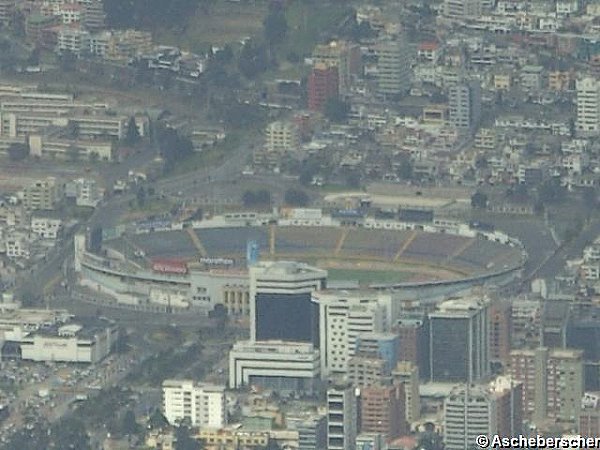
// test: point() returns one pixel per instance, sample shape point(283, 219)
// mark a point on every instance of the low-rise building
point(45, 226)
point(80, 341)
point(277, 365)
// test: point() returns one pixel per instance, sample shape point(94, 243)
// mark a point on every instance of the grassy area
point(151, 206)
point(222, 23)
point(309, 23)
point(212, 156)
point(368, 276)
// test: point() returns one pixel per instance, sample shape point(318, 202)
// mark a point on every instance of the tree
point(73, 153)
point(481, 162)
point(479, 200)
point(219, 313)
point(69, 433)
point(183, 439)
point(67, 61)
point(141, 196)
point(133, 134)
point(129, 425)
point(551, 191)
point(296, 197)
point(256, 198)
point(253, 60)
point(590, 198)
point(336, 110)
point(72, 129)
point(406, 169)
point(18, 152)
point(157, 420)
point(275, 26)
point(173, 147)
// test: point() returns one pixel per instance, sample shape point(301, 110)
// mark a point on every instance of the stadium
point(424, 262)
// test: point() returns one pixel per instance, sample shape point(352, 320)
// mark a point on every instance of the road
point(571, 250)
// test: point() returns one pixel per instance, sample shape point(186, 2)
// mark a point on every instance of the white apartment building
point(282, 136)
point(277, 365)
point(70, 13)
point(202, 404)
point(42, 194)
point(343, 316)
point(460, 9)
point(7, 9)
point(73, 40)
point(342, 410)
point(46, 227)
point(85, 191)
point(469, 411)
point(394, 72)
point(17, 246)
point(588, 106)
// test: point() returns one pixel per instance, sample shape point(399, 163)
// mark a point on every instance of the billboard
point(169, 266)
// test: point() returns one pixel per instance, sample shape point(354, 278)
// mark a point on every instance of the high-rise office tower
point(552, 382)
point(406, 373)
point(342, 418)
point(394, 71)
point(469, 411)
point(508, 394)
point(280, 301)
point(382, 410)
point(413, 333)
point(343, 317)
point(500, 329)
point(342, 55)
point(588, 106)
point(322, 86)
point(464, 101)
point(459, 341)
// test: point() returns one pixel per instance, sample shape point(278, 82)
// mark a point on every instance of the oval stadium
point(172, 267)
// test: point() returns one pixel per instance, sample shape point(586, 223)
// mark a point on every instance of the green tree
point(140, 196)
point(406, 169)
point(551, 191)
point(73, 153)
point(184, 440)
point(18, 152)
point(253, 60)
point(157, 420)
point(336, 110)
point(479, 200)
point(72, 129)
point(69, 433)
point(296, 197)
point(256, 198)
point(129, 425)
point(275, 26)
point(133, 135)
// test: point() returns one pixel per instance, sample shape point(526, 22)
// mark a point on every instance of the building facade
point(277, 365)
point(459, 341)
point(342, 417)
point(280, 301)
point(203, 405)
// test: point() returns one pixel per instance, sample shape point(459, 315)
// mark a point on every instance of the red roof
point(428, 45)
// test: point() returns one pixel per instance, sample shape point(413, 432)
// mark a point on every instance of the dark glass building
point(459, 341)
point(280, 302)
